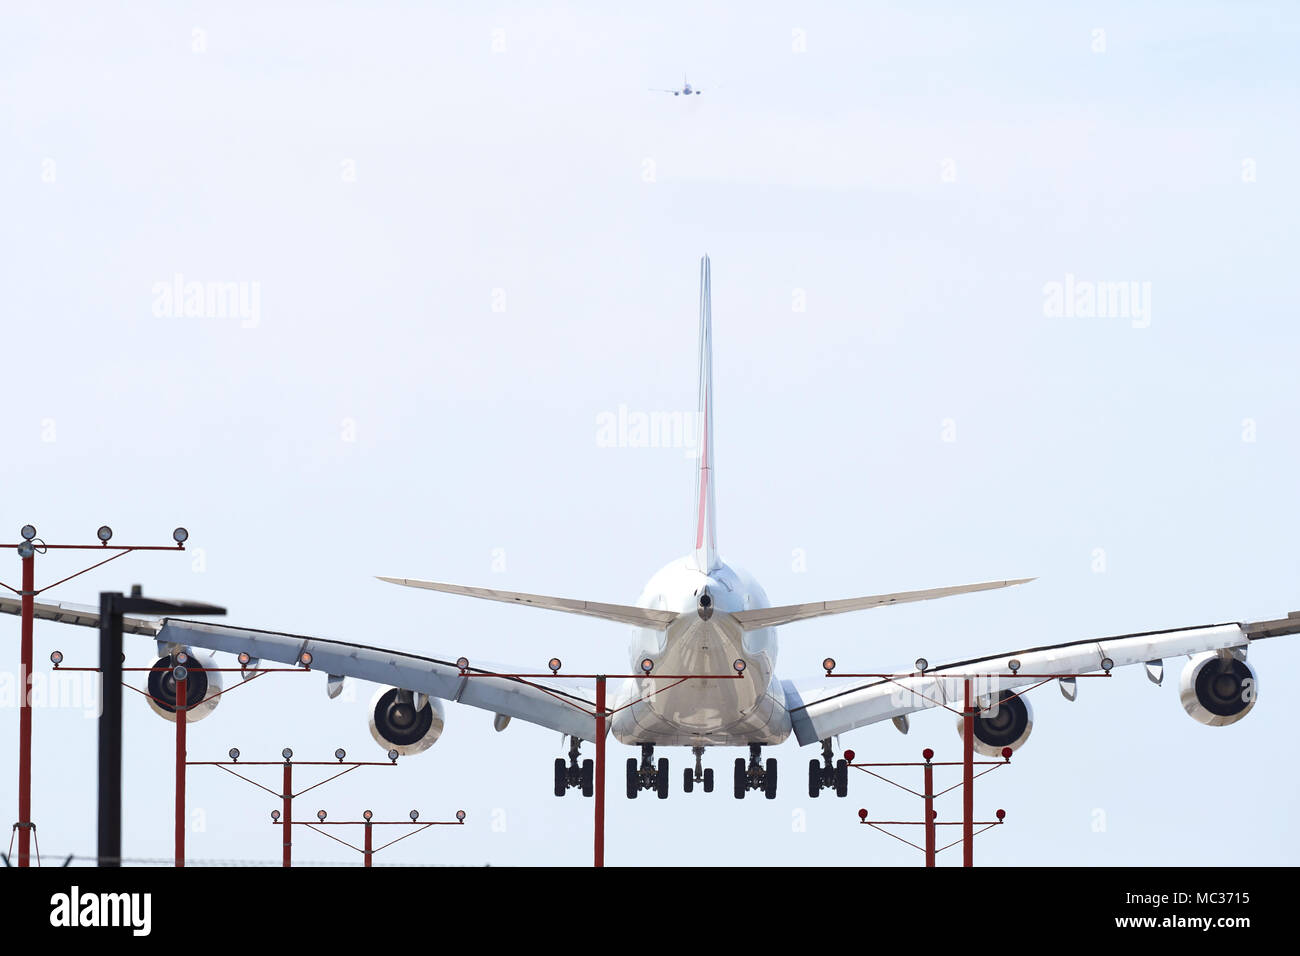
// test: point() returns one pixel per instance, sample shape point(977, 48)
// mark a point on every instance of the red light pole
point(600, 772)
point(182, 718)
point(25, 606)
point(968, 779)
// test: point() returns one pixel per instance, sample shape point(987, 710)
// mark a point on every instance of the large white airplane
point(701, 616)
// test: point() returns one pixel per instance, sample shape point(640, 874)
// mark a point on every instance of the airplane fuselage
point(720, 711)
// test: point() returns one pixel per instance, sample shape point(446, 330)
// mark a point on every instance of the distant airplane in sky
point(701, 616)
point(686, 89)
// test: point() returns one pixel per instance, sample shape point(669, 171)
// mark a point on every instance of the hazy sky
point(461, 238)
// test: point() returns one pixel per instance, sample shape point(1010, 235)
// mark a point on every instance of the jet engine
point(202, 687)
point(405, 721)
point(1217, 690)
point(1008, 725)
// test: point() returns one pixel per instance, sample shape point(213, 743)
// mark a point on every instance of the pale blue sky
point(525, 171)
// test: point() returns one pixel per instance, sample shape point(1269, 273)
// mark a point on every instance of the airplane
point(686, 89)
point(701, 616)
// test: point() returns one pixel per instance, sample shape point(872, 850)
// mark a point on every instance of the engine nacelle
point(1007, 726)
point(1217, 690)
point(202, 687)
point(396, 723)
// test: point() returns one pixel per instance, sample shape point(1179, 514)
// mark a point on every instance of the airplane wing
point(552, 703)
point(772, 616)
point(839, 707)
point(622, 613)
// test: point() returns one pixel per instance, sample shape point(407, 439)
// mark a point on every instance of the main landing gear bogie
point(571, 774)
point(647, 775)
point(829, 773)
point(755, 775)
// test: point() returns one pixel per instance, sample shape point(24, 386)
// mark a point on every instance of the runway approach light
point(554, 665)
point(182, 657)
point(828, 665)
point(1001, 815)
point(460, 816)
point(922, 665)
point(275, 816)
point(739, 665)
point(25, 550)
point(862, 816)
point(234, 753)
point(56, 658)
point(286, 753)
point(105, 533)
point(1107, 664)
point(366, 815)
point(28, 532)
point(340, 754)
point(320, 815)
point(415, 815)
point(1014, 664)
point(180, 535)
point(305, 658)
point(928, 754)
point(179, 672)
point(244, 658)
point(647, 665)
point(392, 755)
point(462, 663)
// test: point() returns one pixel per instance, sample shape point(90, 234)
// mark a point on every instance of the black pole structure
point(113, 605)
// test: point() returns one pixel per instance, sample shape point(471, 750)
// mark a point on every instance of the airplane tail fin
point(706, 541)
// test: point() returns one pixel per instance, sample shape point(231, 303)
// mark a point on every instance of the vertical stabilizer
point(706, 539)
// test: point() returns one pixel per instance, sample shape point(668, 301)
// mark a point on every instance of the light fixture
point(1002, 815)
point(739, 665)
point(56, 658)
point(180, 535)
point(104, 533)
point(320, 815)
point(25, 550)
point(1006, 753)
point(1014, 664)
point(1107, 664)
point(460, 815)
point(28, 532)
point(922, 665)
point(554, 665)
point(182, 657)
point(862, 815)
point(179, 672)
point(234, 753)
point(828, 665)
point(340, 754)
point(244, 658)
point(848, 756)
point(415, 815)
point(275, 816)
point(647, 665)
point(392, 755)
point(366, 815)
point(286, 753)
point(305, 658)
point(928, 754)
point(462, 663)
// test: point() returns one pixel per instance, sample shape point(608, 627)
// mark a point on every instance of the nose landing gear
point(699, 775)
point(754, 775)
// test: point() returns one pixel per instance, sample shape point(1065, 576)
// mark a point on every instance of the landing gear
point(646, 775)
point(753, 775)
point(828, 773)
point(572, 774)
point(699, 775)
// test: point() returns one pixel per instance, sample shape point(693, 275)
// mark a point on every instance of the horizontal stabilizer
point(772, 616)
point(623, 613)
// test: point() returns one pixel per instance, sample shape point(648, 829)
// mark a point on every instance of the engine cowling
point(397, 724)
point(1217, 690)
point(202, 687)
point(1007, 726)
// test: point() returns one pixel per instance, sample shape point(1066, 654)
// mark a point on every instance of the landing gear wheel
point(588, 778)
point(814, 778)
point(741, 781)
point(708, 780)
point(688, 780)
point(769, 779)
point(661, 779)
point(561, 776)
point(633, 778)
point(841, 778)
